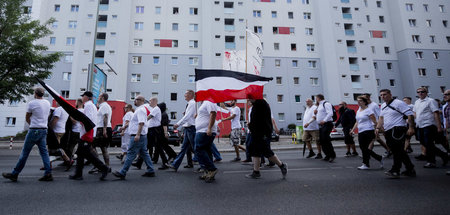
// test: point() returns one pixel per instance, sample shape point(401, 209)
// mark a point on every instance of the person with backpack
point(325, 115)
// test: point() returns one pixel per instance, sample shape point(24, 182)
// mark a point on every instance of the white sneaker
point(363, 167)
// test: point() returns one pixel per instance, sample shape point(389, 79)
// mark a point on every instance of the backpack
point(334, 111)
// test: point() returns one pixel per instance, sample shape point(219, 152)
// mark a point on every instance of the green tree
point(22, 59)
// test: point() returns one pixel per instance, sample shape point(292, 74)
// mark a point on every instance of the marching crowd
point(144, 134)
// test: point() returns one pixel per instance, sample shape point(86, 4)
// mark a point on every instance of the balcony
point(229, 45)
point(354, 67)
point(345, 1)
point(351, 49)
point(228, 10)
point(99, 60)
point(350, 32)
point(356, 85)
point(347, 15)
point(103, 7)
point(229, 28)
point(100, 42)
point(101, 24)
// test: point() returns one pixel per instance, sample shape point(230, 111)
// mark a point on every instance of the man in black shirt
point(347, 118)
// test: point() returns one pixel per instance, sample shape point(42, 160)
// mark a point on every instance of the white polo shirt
point(103, 109)
point(393, 118)
point(76, 127)
point(127, 117)
point(202, 120)
point(91, 112)
point(424, 109)
point(375, 109)
point(39, 109)
point(139, 116)
point(188, 118)
point(324, 114)
point(308, 116)
point(236, 122)
point(60, 126)
point(155, 121)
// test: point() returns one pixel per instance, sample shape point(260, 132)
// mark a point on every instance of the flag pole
point(246, 41)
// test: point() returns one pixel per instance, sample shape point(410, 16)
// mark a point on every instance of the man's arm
point(54, 121)
point(28, 117)
point(379, 128)
point(138, 133)
point(212, 120)
point(437, 119)
point(275, 127)
point(105, 125)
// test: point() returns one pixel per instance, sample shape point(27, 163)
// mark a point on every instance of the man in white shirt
point(188, 124)
point(37, 114)
point(324, 117)
point(124, 131)
point(235, 135)
point(103, 136)
point(311, 129)
point(408, 100)
point(206, 130)
point(392, 122)
point(58, 124)
point(428, 123)
point(85, 149)
point(138, 142)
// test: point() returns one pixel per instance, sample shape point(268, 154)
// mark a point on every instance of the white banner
point(235, 60)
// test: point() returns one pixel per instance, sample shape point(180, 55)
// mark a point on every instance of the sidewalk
point(223, 145)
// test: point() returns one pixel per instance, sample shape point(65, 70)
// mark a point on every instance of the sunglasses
point(421, 92)
point(446, 94)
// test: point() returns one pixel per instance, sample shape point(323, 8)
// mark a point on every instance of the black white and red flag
point(224, 85)
point(88, 134)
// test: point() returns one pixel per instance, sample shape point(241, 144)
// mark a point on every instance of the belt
point(38, 128)
point(135, 135)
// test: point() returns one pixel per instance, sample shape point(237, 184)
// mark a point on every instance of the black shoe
point(326, 158)
point(318, 156)
point(429, 165)
point(331, 159)
point(348, 154)
point(392, 174)
point(119, 175)
point(355, 154)
point(105, 173)
point(444, 161)
point(119, 156)
point(254, 175)
point(311, 154)
point(163, 167)
point(284, 170)
point(76, 177)
point(236, 160)
point(148, 174)
point(409, 173)
point(247, 161)
point(136, 165)
point(47, 177)
point(69, 165)
point(270, 164)
point(10, 176)
point(421, 157)
point(217, 160)
point(93, 170)
point(188, 166)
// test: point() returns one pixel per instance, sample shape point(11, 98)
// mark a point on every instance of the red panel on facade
point(377, 34)
point(166, 43)
point(283, 30)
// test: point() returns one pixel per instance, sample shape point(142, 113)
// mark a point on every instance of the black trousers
point(395, 139)
point(74, 139)
point(427, 137)
point(364, 139)
point(348, 138)
point(325, 139)
point(84, 152)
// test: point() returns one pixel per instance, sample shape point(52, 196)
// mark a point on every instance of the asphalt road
point(312, 187)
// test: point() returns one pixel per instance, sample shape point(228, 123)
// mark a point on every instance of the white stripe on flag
point(225, 83)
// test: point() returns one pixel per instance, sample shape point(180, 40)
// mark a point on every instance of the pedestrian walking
point(171, 154)
point(235, 134)
point(324, 115)
point(408, 148)
point(37, 117)
point(103, 136)
point(124, 131)
point(58, 125)
point(311, 129)
point(376, 110)
point(392, 123)
point(74, 137)
point(347, 120)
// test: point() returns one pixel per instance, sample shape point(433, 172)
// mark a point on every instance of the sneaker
point(93, 170)
point(254, 175)
point(210, 177)
point(171, 166)
point(199, 170)
point(348, 154)
point(284, 170)
point(203, 176)
point(119, 175)
point(332, 159)
point(270, 164)
point(363, 167)
point(119, 156)
point(148, 174)
point(47, 177)
point(355, 154)
point(318, 156)
point(247, 161)
point(236, 160)
point(409, 173)
point(429, 165)
point(420, 157)
point(392, 174)
point(217, 160)
point(104, 174)
point(326, 158)
point(10, 176)
point(188, 166)
point(311, 154)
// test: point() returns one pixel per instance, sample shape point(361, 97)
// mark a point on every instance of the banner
point(98, 83)
point(235, 60)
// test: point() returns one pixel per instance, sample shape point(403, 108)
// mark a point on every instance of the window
point(67, 76)
point(279, 98)
point(134, 95)
point(279, 80)
point(257, 29)
point(392, 82)
point(155, 78)
point(378, 82)
point(174, 78)
point(193, 11)
point(193, 43)
point(436, 55)
point(65, 93)
point(137, 42)
point(307, 16)
point(175, 10)
point(312, 64)
point(70, 41)
point(419, 55)
point(305, 1)
point(256, 13)
point(280, 116)
point(290, 15)
point(173, 96)
point(381, 18)
point(90, 16)
point(425, 7)
point(277, 62)
point(442, 89)
point(367, 18)
point(52, 40)
point(409, 7)
point(422, 72)
point(57, 7)
point(296, 80)
point(379, 4)
point(175, 43)
point(387, 50)
point(155, 94)
point(55, 24)
point(174, 26)
point(448, 39)
point(156, 43)
point(428, 21)
point(356, 81)
point(445, 23)
point(156, 60)
point(193, 27)
point(173, 115)
point(274, 14)
point(72, 24)
point(191, 78)
point(68, 58)
point(291, 30)
point(441, 8)
point(310, 47)
point(389, 66)
point(139, 9)
point(136, 60)
point(314, 81)
point(157, 26)
point(415, 38)
point(74, 8)
point(193, 60)
point(412, 22)
point(297, 98)
point(309, 31)
point(439, 72)
point(10, 121)
point(135, 77)
point(276, 46)
point(157, 10)
point(293, 47)
point(139, 26)
point(174, 61)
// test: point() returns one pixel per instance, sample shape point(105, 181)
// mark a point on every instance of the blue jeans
point(38, 137)
point(203, 144)
point(133, 149)
point(188, 143)
point(214, 150)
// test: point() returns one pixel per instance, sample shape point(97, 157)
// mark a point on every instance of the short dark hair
point(105, 96)
point(385, 90)
point(407, 97)
point(39, 91)
point(366, 94)
point(364, 99)
point(320, 96)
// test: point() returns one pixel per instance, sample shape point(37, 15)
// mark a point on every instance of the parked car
point(116, 138)
point(337, 133)
point(175, 136)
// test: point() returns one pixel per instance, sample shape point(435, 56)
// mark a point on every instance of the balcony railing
point(354, 67)
point(103, 7)
point(347, 15)
point(228, 10)
point(345, 1)
point(99, 60)
point(351, 49)
point(100, 42)
point(101, 24)
point(349, 32)
point(230, 45)
point(356, 85)
point(229, 28)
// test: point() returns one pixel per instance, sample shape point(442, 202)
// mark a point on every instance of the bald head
point(139, 100)
point(153, 101)
point(309, 102)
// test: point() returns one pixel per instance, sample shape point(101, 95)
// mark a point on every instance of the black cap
point(88, 94)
